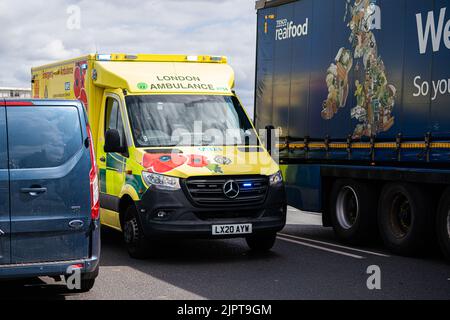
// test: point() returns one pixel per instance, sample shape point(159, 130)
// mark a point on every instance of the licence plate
point(229, 229)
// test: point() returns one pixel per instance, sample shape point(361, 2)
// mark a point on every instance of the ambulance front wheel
point(138, 245)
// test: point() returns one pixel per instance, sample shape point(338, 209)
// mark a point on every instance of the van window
point(3, 151)
point(43, 137)
point(113, 119)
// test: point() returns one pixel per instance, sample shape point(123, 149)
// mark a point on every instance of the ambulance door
point(111, 165)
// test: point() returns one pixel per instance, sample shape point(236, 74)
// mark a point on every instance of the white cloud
point(35, 32)
point(55, 50)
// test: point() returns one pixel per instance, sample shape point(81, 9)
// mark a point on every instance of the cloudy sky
point(35, 32)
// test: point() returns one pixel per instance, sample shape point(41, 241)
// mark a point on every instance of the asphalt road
point(306, 263)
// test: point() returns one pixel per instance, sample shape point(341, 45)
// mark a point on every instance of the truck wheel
point(137, 245)
point(261, 242)
point(403, 218)
point(443, 223)
point(353, 211)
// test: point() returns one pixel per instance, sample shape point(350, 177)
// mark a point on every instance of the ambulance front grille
point(209, 191)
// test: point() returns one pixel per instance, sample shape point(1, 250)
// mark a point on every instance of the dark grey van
point(49, 207)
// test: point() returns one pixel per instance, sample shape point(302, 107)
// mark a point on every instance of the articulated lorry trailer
point(359, 92)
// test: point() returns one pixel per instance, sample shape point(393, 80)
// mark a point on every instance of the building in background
point(6, 92)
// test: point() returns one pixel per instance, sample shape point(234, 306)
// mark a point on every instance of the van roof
point(38, 102)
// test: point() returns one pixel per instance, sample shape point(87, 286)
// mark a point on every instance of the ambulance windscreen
point(189, 120)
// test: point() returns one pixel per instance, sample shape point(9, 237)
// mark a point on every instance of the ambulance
point(178, 156)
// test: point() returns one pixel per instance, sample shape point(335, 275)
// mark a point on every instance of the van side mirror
point(269, 131)
point(112, 142)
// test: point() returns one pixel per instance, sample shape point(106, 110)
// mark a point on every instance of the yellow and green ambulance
point(176, 151)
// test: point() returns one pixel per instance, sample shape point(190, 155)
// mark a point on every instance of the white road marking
point(336, 245)
point(321, 248)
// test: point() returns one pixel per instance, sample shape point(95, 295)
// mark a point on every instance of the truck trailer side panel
point(359, 97)
point(358, 91)
point(391, 82)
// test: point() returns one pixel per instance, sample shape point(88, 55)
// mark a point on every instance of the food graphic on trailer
point(375, 97)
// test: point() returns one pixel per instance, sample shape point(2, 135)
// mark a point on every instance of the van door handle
point(33, 191)
point(76, 224)
point(102, 159)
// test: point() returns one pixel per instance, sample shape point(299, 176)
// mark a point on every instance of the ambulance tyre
point(261, 242)
point(138, 245)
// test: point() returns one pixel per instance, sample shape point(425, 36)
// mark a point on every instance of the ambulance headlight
point(160, 181)
point(276, 179)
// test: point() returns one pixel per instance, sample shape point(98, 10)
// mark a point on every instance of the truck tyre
point(137, 244)
point(261, 242)
point(404, 218)
point(353, 211)
point(443, 224)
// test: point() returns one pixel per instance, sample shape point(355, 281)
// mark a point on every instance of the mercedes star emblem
point(231, 189)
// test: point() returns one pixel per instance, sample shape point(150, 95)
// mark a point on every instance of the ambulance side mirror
point(112, 142)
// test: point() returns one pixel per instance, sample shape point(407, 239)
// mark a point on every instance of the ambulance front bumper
point(173, 214)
